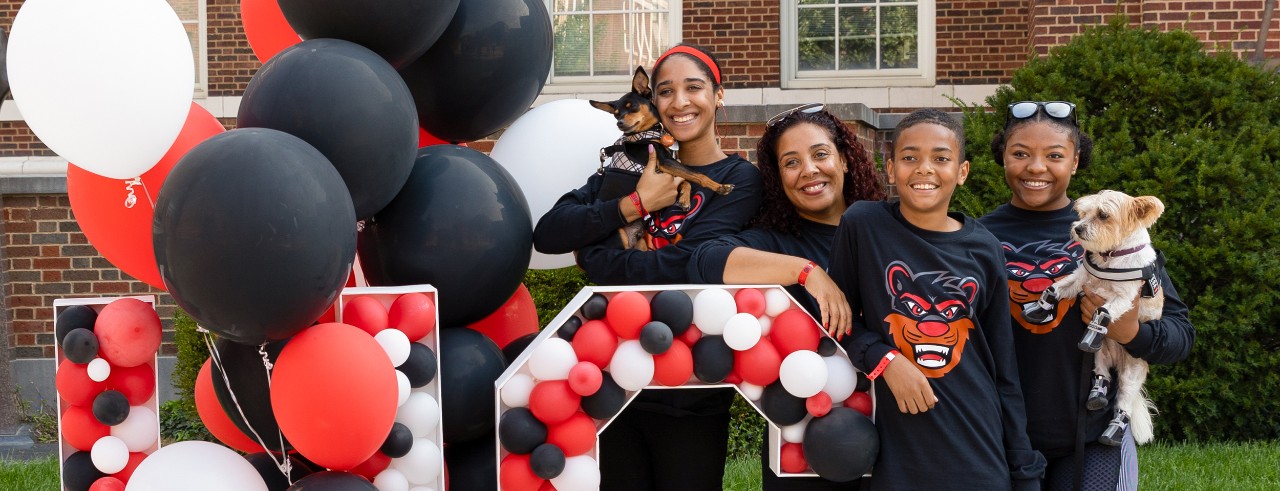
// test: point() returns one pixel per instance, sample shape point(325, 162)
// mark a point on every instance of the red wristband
point(884, 363)
point(635, 200)
point(804, 273)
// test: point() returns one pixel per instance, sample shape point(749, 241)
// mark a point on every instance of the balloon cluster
point(106, 381)
point(566, 386)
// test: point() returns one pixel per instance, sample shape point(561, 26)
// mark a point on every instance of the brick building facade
point(978, 44)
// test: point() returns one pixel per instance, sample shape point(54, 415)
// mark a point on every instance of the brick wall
point(231, 60)
point(744, 35)
point(981, 42)
point(1228, 24)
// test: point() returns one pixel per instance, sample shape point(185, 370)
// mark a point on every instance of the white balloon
point(421, 488)
point(552, 359)
point(766, 324)
point(110, 100)
point(140, 430)
point(580, 473)
point(751, 391)
point(803, 373)
point(391, 480)
point(742, 331)
point(795, 433)
point(516, 391)
point(422, 464)
point(109, 454)
point(551, 150)
point(195, 466)
point(842, 380)
point(712, 308)
point(420, 414)
point(98, 369)
point(403, 389)
point(776, 301)
point(395, 343)
point(632, 366)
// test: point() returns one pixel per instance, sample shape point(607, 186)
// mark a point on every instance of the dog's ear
point(640, 82)
point(603, 106)
point(1146, 209)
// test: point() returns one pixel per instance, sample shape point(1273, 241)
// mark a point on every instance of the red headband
point(715, 71)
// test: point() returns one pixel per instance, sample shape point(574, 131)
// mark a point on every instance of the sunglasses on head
point(809, 108)
point(1053, 109)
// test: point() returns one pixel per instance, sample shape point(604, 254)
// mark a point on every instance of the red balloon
point(75, 386)
point(427, 139)
point(115, 215)
point(860, 401)
point(627, 314)
point(818, 404)
point(334, 393)
point(414, 314)
point(517, 475)
point(792, 458)
point(107, 483)
point(595, 342)
point(552, 401)
point(585, 378)
point(691, 335)
point(367, 313)
point(215, 418)
point(758, 365)
point(137, 384)
point(674, 367)
point(794, 330)
point(128, 332)
point(516, 318)
point(266, 28)
point(370, 468)
point(135, 458)
point(80, 429)
point(750, 300)
point(547, 486)
point(733, 378)
point(575, 436)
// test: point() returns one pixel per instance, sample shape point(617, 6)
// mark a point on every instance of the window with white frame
point(829, 43)
point(194, 20)
point(602, 41)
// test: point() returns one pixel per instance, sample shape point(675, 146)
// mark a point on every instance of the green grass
point(34, 475)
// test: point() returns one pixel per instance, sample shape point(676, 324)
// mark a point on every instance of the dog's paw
point(724, 189)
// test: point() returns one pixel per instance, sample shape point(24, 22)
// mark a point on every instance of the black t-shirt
point(813, 243)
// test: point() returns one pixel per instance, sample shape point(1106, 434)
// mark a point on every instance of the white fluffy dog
point(1119, 264)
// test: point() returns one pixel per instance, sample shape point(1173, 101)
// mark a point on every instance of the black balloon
point(547, 461)
point(4, 64)
point(271, 474)
point(74, 317)
point(673, 308)
point(346, 102)
point(398, 30)
point(520, 432)
point(570, 328)
point(461, 224)
point(513, 349)
point(607, 401)
point(79, 473)
point(333, 481)
point(484, 71)
point(469, 364)
point(110, 407)
point(826, 346)
point(595, 307)
point(254, 234)
point(80, 346)
point(864, 384)
point(471, 466)
point(780, 406)
point(399, 441)
point(842, 445)
point(249, 382)
point(420, 367)
point(656, 338)
point(712, 359)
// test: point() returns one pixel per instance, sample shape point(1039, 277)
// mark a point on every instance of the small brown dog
point(1119, 264)
point(622, 162)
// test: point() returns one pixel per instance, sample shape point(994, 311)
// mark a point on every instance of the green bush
point(179, 420)
point(1202, 132)
point(552, 289)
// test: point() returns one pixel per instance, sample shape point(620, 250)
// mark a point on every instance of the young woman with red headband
point(666, 439)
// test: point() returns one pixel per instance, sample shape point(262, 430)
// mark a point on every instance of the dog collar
point(1146, 274)
point(1124, 252)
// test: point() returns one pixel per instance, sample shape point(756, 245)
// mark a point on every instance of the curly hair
point(861, 182)
point(1084, 144)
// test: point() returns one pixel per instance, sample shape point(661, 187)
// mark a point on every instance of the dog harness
point(631, 152)
point(1150, 280)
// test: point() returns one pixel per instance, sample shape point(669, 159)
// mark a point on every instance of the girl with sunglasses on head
point(665, 439)
point(813, 167)
point(1041, 148)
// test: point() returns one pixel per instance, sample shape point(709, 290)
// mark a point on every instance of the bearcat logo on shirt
point(1032, 268)
point(930, 320)
point(662, 231)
